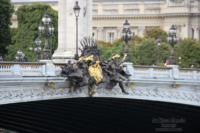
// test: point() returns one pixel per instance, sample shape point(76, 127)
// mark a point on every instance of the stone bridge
point(23, 82)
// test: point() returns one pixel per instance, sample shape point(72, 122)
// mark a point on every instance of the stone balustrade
point(11, 69)
point(8, 69)
point(162, 73)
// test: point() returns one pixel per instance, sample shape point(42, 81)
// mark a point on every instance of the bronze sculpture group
point(94, 73)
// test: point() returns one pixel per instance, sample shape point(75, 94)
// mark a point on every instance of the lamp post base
point(172, 60)
point(76, 57)
point(62, 57)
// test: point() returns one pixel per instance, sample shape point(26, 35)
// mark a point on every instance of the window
point(131, 11)
point(152, 11)
point(111, 37)
point(110, 11)
point(176, 3)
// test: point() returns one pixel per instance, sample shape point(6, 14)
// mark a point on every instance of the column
point(67, 28)
point(196, 33)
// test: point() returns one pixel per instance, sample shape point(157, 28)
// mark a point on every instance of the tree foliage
point(155, 33)
point(141, 51)
point(6, 10)
point(29, 17)
point(108, 49)
point(164, 52)
point(147, 52)
point(188, 53)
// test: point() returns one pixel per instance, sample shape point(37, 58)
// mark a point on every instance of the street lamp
point(76, 12)
point(20, 56)
point(126, 36)
point(172, 39)
point(180, 60)
point(38, 48)
point(46, 29)
point(158, 43)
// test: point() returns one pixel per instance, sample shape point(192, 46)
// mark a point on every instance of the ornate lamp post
point(20, 56)
point(180, 60)
point(46, 29)
point(126, 36)
point(38, 48)
point(172, 39)
point(76, 12)
point(158, 42)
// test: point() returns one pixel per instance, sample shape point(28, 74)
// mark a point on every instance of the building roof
point(30, 1)
point(128, 0)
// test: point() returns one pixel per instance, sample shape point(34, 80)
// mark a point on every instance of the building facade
point(109, 16)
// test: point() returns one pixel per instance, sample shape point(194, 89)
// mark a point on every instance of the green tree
point(147, 52)
point(108, 49)
point(163, 53)
point(29, 17)
point(156, 33)
point(141, 51)
point(187, 53)
point(6, 11)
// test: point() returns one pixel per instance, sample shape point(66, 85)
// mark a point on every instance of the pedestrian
point(167, 63)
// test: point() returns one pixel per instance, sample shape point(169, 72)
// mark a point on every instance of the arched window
point(193, 33)
point(111, 37)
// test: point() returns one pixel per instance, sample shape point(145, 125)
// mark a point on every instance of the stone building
point(109, 16)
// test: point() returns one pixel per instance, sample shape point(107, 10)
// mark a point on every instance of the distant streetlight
point(172, 39)
point(76, 12)
point(38, 48)
point(20, 56)
point(180, 60)
point(126, 36)
point(46, 29)
point(158, 43)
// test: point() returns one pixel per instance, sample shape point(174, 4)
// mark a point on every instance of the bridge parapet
point(22, 69)
point(171, 73)
point(138, 72)
point(152, 72)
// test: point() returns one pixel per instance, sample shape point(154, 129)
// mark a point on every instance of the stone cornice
point(33, 1)
point(145, 16)
point(138, 89)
